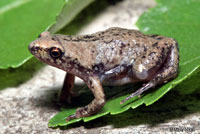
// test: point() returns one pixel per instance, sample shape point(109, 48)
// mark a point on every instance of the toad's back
point(114, 46)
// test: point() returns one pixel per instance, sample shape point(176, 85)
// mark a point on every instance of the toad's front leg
point(66, 92)
point(98, 102)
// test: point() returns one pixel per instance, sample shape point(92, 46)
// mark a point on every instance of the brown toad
point(115, 56)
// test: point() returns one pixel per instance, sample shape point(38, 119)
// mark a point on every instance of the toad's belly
point(114, 81)
point(117, 76)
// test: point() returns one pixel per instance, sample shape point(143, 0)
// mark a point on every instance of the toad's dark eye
point(55, 52)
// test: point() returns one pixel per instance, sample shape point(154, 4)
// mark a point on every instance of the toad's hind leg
point(168, 71)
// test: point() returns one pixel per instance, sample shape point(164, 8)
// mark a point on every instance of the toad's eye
point(55, 52)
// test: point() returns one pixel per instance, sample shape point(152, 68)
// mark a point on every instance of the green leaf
point(68, 13)
point(174, 18)
point(21, 21)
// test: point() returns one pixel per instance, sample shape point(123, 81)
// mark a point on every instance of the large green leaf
point(174, 18)
point(21, 21)
point(69, 11)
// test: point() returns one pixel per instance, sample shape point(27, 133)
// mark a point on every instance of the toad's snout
point(33, 48)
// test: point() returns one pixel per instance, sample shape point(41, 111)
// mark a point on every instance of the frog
point(113, 57)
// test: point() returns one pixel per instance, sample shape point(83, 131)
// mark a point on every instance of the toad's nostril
point(36, 48)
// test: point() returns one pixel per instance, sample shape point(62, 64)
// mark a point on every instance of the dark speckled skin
point(115, 56)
